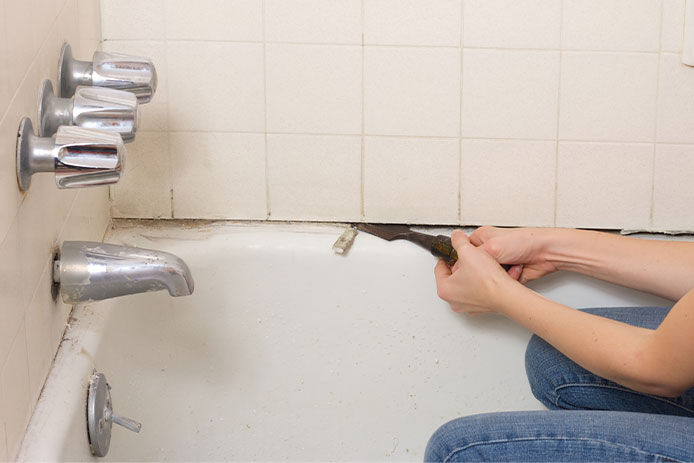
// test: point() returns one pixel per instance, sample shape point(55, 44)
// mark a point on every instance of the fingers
point(482, 234)
point(515, 271)
point(441, 272)
point(459, 240)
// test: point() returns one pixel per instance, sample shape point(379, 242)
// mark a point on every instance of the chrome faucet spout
point(90, 271)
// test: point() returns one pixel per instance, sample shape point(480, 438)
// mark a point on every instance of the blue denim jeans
point(590, 418)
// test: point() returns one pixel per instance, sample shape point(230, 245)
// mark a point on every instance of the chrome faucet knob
point(79, 157)
point(90, 107)
point(123, 72)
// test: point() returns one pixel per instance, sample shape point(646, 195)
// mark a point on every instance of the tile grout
point(399, 45)
point(651, 217)
point(362, 198)
point(168, 121)
point(460, 111)
point(556, 152)
point(268, 210)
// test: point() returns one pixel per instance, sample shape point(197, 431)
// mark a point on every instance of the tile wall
point(571, 113)
point(34, 223)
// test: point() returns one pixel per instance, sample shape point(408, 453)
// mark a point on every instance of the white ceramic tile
point(313, 21)
point(40, 314)
point(218, 175)
point(11, 301)
point(24, 104)
point(412, 22)
point(85, 48)
point(227, 96)
point(512, 24)
point(145, 188)
point(614, 25)
point(604, 185)
point(510, 94)
point(673, 25)
point(214, 20)
point(314, 88)
point(508, 182)
point(314, 177)
point(43, 15)
point(14, 394)
point(89, 19)
point(3, 442)
point(21, 44)
point(45, 65)
point(89, 216)
point(608, 96)
point(673, 194)
point(132, 19)
point(5, 78)
point(676, 91)
point(67, 26)
point(410, 180)
point(412, 91)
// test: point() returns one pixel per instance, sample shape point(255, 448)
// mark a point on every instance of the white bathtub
point(287, 351)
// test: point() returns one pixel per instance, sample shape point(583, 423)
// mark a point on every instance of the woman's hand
point(475, 282)
point(523, 248)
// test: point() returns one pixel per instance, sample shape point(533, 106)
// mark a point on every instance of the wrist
point(507, 295)
point(558, 246)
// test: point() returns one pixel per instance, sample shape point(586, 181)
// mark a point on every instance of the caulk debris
point(344, 242)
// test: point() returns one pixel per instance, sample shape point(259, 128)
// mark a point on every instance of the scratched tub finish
point(287, 351)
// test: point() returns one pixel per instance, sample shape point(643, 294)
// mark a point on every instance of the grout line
point(655, 122)
point(556, 151)
point(426, 137)
point(395, 45)
point(168, 118)
point(362, 200)
point(268, 209)
point(460, 115)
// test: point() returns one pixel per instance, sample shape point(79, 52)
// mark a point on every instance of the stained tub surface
point(287, 351)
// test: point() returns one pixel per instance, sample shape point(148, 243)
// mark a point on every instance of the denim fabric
point(590, 418)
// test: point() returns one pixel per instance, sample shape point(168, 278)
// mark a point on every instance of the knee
point(439, 444)
point(448, 442)
point(541, 359)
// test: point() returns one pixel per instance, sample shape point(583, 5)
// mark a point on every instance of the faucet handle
point(100, 416)
point(134, 74)
point(79, 157)
point(90, 107)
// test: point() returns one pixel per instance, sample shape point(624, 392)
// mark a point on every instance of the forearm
point(622, 353)
point(665, 268)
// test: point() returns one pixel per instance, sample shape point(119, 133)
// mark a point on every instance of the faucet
point(91, 271)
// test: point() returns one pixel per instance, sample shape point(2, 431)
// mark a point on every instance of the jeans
point(590, 418)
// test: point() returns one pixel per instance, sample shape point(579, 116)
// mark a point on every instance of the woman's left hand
point(474, 284)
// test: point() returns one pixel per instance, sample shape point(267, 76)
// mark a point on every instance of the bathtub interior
point(287, 351)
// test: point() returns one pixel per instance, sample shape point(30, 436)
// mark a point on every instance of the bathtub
point(287, 351)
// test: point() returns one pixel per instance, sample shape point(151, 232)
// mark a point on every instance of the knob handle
point(124, 72)
point(90, 107)
point(100, 416)
point(79, 157)
point(127, 423)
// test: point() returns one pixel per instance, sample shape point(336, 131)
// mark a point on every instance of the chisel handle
point(442, 248)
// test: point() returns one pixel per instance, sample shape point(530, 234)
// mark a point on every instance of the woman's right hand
point(522, 248)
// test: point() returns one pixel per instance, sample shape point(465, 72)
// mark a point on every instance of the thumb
point(459, 240)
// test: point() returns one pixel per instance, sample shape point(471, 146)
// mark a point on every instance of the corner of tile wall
point(32, 224)
point(289, 86)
